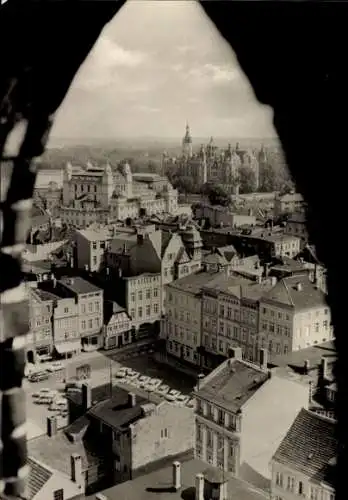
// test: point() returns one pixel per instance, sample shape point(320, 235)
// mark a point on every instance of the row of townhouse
point(69, 315)
point(208, 313)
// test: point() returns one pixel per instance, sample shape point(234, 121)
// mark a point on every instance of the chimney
point(324, 367)
point(86, 396)
point(132, 400)
point(299, 287)
point(176, 476)
point(199, 487)
point(263, 358)
point(236, 353)
point(52, 427)
point(199, 380)
point(306, 366)
point(76, 468)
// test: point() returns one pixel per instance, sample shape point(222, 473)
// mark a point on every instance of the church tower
point(187, 143)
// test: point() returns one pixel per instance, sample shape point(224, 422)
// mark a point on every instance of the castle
point(215, 165)
point(103, 195)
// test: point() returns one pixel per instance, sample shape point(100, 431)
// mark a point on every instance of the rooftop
point(312, 354)
point(310, 447)
point(157, 485)
point(298, 292)
point(194, 282)
point(100, 234)
point(290, 265)
point(79, 285)
point(56, 450)
point(116, 411)
point(233, 383)
point(291, 197)
point(45, 295)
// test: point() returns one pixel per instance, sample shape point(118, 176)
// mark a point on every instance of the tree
point(247, 179)
point(217, 195)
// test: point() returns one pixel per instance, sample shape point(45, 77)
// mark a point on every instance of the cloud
point(104, 62)
point(146, 109)
point(210, 74)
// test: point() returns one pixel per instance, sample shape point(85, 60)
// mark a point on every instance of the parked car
point(122, 372)
point(45, 392)
point(56, 366)
point(38, 377)
point(43, 400)
point(153, 384)
point(173, 395)
point(131, 377)
point(142, 381)
point(163, 389)
point(182, 399)
point(60, 404)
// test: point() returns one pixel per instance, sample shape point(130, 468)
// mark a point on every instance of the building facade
point(213, 165)
point(288, 204)
point(117, 326)
point(40, 337)
point(91, 246)
point(237, 427)
point(94, 194)
point(294, 315)
point(306, 471)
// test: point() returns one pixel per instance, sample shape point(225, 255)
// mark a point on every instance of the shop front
point(91, 342)
point(68, 349)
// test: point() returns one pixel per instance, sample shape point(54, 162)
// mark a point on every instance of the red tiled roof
point(310, 447)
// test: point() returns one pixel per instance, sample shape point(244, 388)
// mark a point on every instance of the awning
point(68, 347)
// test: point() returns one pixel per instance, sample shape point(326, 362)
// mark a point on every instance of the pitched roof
point(38, 477)
point(194, 282)
point(79, 285)
point(310, 447)
point(157, 485)
point(303, 297)
point(97, 234)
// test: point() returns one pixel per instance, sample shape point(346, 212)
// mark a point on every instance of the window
point(291, 484)
point(94, 245)
point(97, 306)
point(132, 297)
point(132, 313)
point(148, 293)
point(58, 494)
point(314, 493)
point(317, 327)
point(140, 295)
point(90, 307)
point(90, 323)
point(164, 433)
point(209, 438)
point(279, 479)
point(300, 488)
point(94, 260)
point(83, 308)
point(148, 310)
point(140, 312)
point(83, 325)
point(222, 311)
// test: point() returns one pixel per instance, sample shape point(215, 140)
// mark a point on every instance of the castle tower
point(202, 166)
point(187, 143)
point(127, 173)
point(67, 176)
point(107, 186)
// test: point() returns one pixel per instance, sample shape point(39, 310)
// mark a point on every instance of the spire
point(187, 138)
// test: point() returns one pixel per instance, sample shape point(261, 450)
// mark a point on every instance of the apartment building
point(306, 471)
point(64, 319)
point(296, 225)
point(40, 336)
point(269, 243)
point(117, 326)
point(294, 315)
point(289, 203)
point(91, 245)
point(181, 326)
point(78, 313)
point(242, 414)
point(118, 435)
point(143, 299)
point(230, 318)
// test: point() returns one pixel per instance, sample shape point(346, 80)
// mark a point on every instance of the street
point(102, 367)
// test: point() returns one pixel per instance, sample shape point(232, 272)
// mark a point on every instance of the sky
point(156, 65)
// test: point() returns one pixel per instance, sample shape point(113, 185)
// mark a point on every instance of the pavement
point(103, 366)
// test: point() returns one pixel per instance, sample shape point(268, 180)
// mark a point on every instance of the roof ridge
point(288, 292)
